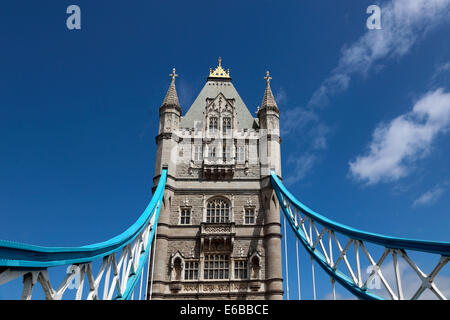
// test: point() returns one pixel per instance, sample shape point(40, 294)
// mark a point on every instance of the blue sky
point(364, 113)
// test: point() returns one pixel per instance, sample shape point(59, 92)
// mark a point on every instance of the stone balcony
point(217, 236)
point(218, 168)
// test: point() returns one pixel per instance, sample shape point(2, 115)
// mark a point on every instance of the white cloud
point(397, 145)
point(281, 96)
point(296, 119)
point(404, 22)
point(444, 67)
point(312, 136)
point(319, 136)
point(429, 197)
point(441, 70)
point(302, 165)
point(313, 130)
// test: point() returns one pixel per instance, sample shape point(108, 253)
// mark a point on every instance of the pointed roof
point(211, 90)
point(171, 98)
point(218, 82)
point(268, 99)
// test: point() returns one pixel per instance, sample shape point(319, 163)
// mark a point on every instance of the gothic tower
point(218, 233)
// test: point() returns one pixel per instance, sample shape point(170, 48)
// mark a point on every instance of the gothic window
point(226, 153)
point(213, 124)
point(217, 211)
point(191, 270)
point(212, 152)
point(216, 267)
point(198, 154)
point(240, 153)
point(226, 124)
point(240, 269)
point(185, 216)
point(249, 216)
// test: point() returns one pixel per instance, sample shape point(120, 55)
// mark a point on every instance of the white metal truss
point(348, 260)
point(112, 278)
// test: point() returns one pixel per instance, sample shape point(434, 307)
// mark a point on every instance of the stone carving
point(223, 287)
point(190, 287)
point(216, 287)
point(217, 229)
point(209, 287)
point(240, 286)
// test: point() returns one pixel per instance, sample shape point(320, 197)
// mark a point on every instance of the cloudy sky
point(365, 114)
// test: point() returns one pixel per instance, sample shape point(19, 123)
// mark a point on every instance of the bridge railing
point(344, 253)
point(121, 262)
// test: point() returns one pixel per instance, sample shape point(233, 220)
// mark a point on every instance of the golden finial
point(173, 75)
point(219, 72)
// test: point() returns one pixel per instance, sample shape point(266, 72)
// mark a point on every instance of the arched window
point(240, 153)
point(213, 124)
point(212, 152)
point(226, 153)
point(198, 153)
point(226, 124)
point(218, 211)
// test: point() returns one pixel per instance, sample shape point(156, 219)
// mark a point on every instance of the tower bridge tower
point(218, 234)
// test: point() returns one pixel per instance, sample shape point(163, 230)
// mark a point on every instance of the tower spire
point(268, 99)
point(171, 98)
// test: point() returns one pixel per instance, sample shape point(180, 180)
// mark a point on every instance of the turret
point(170, 110)
point(169, 122)
point(269, 124)
point(269, 114)
point(269, 120)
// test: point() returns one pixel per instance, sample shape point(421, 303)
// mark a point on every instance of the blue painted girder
point(26, 256)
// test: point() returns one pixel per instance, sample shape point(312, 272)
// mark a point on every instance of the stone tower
point(218, 234)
